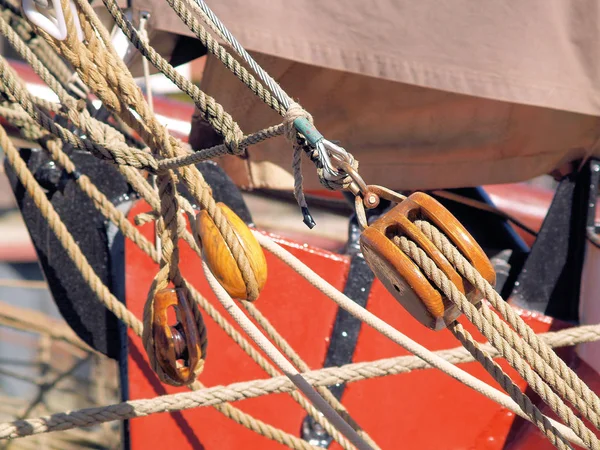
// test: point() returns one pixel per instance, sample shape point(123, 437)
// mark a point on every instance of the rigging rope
point(132, 233)
point(99, 67)
point(542, 358)
point(499, 340)
point(494, 369)
point(255, 388)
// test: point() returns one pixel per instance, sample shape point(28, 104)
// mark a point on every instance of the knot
point(294, 111)
point(232, 140)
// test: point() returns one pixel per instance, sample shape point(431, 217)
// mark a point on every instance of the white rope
point(280, 361)
point(401, 339)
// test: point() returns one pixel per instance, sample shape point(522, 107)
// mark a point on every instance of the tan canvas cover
point(424, 93)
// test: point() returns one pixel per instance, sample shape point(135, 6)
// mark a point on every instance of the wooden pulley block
point(219, 258)
point(178, 346)
point(403, 278)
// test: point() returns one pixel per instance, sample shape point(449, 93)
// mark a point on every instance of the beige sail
point(425, 94)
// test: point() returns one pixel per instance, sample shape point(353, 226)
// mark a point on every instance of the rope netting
point(157, 166)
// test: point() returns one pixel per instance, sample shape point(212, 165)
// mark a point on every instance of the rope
point(133, 157)
point(291, 354)
point(209, 108)
point(499, 341)
point(545, 362)
point(41, 49)
point(110, 80)
point(396, 336)
point(223, 55)
point(284, 365)
point(294, 112)
point(58, 228)
point(108, 209)
point(97, 64)
point(264, 76)
point(494, 369)
point(251, 389)
point(219, 150)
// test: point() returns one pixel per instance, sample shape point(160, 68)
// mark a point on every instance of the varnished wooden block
point(403, 278)
point(178, 346)
point(220, 259)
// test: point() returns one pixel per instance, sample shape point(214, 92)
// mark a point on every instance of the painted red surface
point(419, 410)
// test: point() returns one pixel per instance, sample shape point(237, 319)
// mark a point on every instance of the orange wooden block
point(220, 259)
point(403, 278)
point(178, 346)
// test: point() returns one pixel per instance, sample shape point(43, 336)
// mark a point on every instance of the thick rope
point(42, 50)
point(209, 108)
point(99, 132)
point(471, 311)
point(542, 358)
point(184, 13)
point(132, 157)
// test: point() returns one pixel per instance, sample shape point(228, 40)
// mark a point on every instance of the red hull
point(397, 411)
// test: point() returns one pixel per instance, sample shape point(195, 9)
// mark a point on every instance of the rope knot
point(294, 112)
point(232, 140)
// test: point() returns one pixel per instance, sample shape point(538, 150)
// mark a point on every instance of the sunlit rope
point(323, 157)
